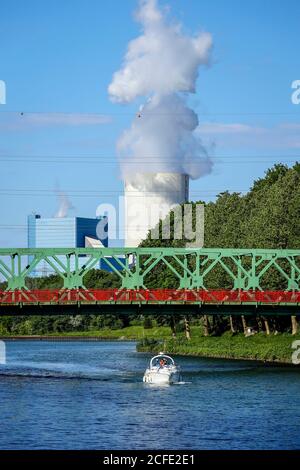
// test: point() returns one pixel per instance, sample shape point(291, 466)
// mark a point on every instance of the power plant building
point(65, 232)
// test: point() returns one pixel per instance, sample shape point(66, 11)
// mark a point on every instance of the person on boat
point(162, 362)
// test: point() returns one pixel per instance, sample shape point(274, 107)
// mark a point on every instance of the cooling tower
point(149, 197)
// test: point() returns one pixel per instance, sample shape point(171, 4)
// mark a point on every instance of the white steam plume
point(162, 65)
point(64, 205)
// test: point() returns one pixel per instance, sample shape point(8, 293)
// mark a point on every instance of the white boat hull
point(161, 376)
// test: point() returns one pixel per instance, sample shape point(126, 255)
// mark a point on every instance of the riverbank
point(260, 347)
point(130, 333)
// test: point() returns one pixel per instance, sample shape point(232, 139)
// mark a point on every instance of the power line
point(110, 191)
point(23, 113)
point(142, 158)
point(217, 161)
point(204, 193)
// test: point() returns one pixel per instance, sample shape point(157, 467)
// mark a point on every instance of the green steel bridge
point(244, 275)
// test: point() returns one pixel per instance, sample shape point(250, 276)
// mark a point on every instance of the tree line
point(268, 216)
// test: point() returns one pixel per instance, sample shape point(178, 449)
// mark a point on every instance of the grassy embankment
point(273, 348)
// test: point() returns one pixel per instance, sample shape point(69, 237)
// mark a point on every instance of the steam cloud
point(64, 205)
point(162, 65)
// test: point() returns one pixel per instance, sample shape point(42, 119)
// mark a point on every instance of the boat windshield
point(161, 361)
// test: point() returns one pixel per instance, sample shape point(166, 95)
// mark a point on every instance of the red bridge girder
point(127, 296)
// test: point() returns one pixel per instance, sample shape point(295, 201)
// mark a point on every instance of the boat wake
point(68, 373)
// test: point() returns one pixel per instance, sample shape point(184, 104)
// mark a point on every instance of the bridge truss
point(243, 275)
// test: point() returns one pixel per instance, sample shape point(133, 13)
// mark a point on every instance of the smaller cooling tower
point(149, 197)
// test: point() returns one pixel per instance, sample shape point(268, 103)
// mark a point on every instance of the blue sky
point(59, 57)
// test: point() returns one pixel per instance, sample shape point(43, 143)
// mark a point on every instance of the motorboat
point(162, 370)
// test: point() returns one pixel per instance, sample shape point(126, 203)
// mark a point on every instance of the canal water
point(90, 395)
